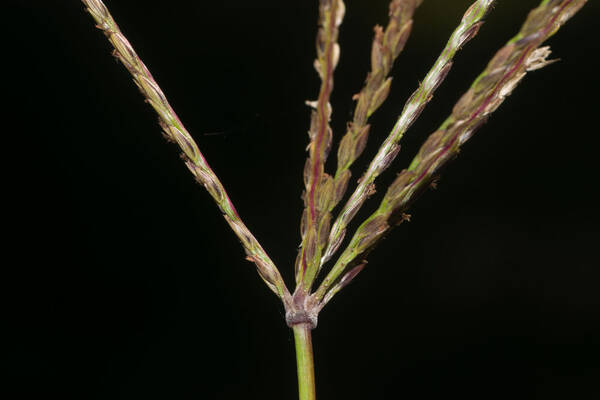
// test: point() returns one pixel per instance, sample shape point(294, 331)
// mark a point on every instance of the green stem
point(304, 359)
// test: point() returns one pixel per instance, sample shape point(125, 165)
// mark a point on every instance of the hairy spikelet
point(506, 69)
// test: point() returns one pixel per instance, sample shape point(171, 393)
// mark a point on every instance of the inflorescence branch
point(193, 158)
point(319, 186)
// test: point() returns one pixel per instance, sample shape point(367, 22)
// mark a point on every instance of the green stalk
point(305, 362)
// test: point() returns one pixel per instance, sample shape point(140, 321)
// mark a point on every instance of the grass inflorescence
point(322, 233)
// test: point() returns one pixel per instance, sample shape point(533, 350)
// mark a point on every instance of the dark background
point(124, 282)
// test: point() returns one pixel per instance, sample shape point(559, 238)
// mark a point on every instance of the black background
point(124, 282)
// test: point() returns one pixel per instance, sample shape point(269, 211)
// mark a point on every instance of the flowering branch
point(319, 185)
point(193, 158)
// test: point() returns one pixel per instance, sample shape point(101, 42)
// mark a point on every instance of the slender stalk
point(305, 362)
